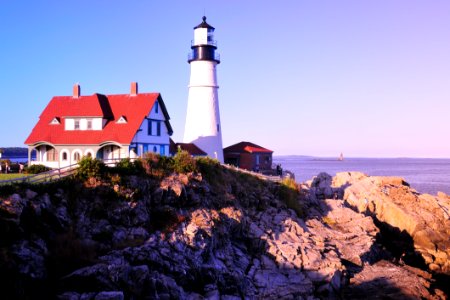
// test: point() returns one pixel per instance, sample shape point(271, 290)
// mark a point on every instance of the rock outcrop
point(425, 218)
point(184, 237)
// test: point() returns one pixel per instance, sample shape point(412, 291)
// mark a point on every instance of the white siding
point(200, 36)
point(97, 124)
point(203, 119)
point(69, 124)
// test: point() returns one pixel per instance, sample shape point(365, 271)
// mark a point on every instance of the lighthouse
point(203, 118)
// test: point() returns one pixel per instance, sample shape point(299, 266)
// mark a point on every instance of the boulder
point(424, 217)
point(384, 280)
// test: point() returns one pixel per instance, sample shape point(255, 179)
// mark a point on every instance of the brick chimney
point(134, 89)
point(76, 90)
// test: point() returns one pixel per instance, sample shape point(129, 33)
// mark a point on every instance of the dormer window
point(55, 121)
point(156, 107)
point(122, 120)
point(76, 125)
point(89, 125)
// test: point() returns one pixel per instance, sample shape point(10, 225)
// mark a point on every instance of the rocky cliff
point(223, 235)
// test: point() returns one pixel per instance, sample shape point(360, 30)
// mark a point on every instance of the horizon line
point(357, 156)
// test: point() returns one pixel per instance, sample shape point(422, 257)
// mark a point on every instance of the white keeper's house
point(107, 127)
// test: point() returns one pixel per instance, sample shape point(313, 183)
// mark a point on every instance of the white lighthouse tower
point(203, 119)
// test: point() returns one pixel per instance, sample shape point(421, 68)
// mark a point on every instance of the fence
point(256, 174)
point(48, 176)
point(56, 174)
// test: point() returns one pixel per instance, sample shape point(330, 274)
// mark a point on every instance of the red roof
point(111, 107)
point(189, 147)
point(246, 147)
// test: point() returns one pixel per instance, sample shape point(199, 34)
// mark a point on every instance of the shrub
point(209, 168)
point(289, 194)
point(5, 161)
point(127, 166)
point(290, 183)
point(150, 162)
point(36, 169)
point(157, 165)
point(183, 162)
point(90, 168)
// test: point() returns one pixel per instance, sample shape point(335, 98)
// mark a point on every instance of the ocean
point(18, 159)
point(425, 175)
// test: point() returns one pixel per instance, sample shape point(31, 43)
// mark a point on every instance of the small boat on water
point(341, 157)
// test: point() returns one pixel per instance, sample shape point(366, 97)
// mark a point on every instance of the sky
point(365, 78)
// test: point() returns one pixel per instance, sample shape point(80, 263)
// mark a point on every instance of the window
point(149, 127)
point(154, 127)
point(218, 128)
point(156, 107)
point(76, 156)
point(162, 149)
point(52, 154)
point(77, 125)
point(89, 124)
point(64, 156)
point(210, 36)
point(122, 120)
point(55, 121)
point(155, 149)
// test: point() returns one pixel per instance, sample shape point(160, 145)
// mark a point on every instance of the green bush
point(157, 165)
point(36, 169)
point(210, 169)
point(127, 166)
point(183, 162)
point(90, 168)
point(289, 194)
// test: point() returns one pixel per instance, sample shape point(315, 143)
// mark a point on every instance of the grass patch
point(12, 176)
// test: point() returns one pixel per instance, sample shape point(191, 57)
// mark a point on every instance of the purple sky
point(366, 78)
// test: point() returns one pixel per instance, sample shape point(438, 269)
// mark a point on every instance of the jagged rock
point(12, 207)
point(323, 186)
point(29, 194)
point(109, 295)
point(30, 258)
point(351, 233)
point(423, 217)
point(384, 280)
point(184, 238)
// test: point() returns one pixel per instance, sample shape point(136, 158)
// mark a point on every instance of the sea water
point(423, 174)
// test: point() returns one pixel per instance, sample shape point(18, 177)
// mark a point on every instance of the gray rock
point(110, 295)
point(30, 258)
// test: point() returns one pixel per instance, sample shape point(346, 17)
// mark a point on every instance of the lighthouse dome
point(204, 24)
